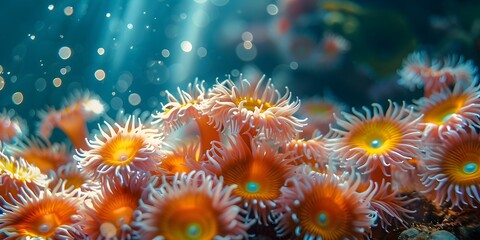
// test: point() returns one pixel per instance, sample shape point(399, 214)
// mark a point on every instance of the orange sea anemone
point(192, 206)
point(320, 114)
point(453, 169)
point(390, 205)
point(122, 149)
point(321, 206)
point(258, 172)
point(110, 213)
point(254, 108)
point(377, 139)
point(74, 177)
point(449, 110)
point(177, 113)
point(433, 74)
point(17, 173)
point(11, 126)
point(180, 158)
point(41, 153)
point(48, 214)
point(309, 151)
point(72, 118)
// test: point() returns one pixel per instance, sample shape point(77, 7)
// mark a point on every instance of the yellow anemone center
point(442, 112)
point(462, 162)
point(121, 150)
point(376, 137)
point(251, 103)
point(192, 217)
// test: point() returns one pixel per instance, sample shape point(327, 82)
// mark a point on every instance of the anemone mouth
point(256, 179)
point(462, 163)
point(190, 217)
point(174, 163)
point(118, 209)
point(121, 150)
point(441, 112)
point(41, 219)
point(324, 216)
point(376, 137)
point(251, 104)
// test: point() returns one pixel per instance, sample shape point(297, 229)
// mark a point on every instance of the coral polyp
point(122, 150)
point(378, 138)
point(47, 214)
point(452, 171)
point(192, 206)
point(255, 108)
point(321, 206)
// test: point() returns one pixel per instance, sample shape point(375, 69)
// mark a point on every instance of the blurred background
point(129, 52)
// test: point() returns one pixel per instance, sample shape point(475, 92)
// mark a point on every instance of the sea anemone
point(17, 173)
point(41, 153)
point(180, 158)
point(320, 114)
point(125, 149)
point(453, 169)
point(192, 206)
point(254, 108)
point(379, 139)
point(72, 118)
point(110, 213)
point(309, 151)
point(177, 113)
point(47, 214)
point(258, 172)
point(433, 74)
point(449, 110)
point(390, 205)
point(321, 206)
point(11, 126)
point(74, 177)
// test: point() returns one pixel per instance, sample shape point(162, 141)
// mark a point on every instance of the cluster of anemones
point(225, 162)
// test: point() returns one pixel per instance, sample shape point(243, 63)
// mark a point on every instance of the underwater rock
point(412, 233)
point(442, 235)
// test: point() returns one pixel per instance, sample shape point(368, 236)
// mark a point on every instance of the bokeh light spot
point(40, 84)
point(65, 53)
point(100, 74)
point(186, 46)
point(272, 9)
point(57, 82)
point(101, 51)
point(134, 99)
point(68, 11)
point(17, 98)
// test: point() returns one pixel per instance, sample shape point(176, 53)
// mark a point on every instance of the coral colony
point(241, 160)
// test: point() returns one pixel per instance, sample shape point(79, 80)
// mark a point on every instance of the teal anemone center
point(448, 116)
point(470, 168)
point(193, 231)
point(322, 219)
point(252, 187)
point(376, 143)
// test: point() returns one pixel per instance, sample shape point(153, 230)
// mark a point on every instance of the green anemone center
point(322, 219)
point(252, 187)
point(376, 143)
point(470, 168)
point(193, 231)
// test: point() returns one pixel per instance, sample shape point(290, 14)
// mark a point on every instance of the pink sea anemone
point(113, 209)
point(47, 214)
point(449, 110)
point(254, 108)
point(453, 169)
point(321, 206)
point(121, 150)
point(192, 206)
point(259, 171)
point(72, 118)
point(378, 138)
